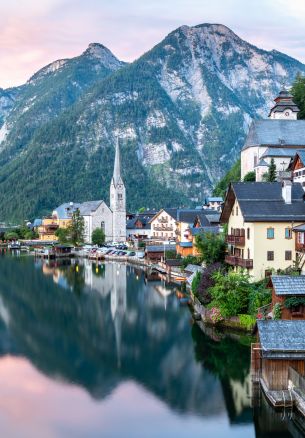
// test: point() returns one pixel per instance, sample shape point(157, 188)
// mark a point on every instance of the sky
point(34, 33)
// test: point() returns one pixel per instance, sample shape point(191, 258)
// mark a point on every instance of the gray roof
point(262, 163)
point(65, 211)
point(202, 230)
point(213, 199)
point(299, 228)
point(213, 218)
point(263, 202)
point(172, 212)
point(280, 152)
point(301, 154)
point(87, 207)
point(193, 268)
point(188, 216)
point(131, 223)
point(276, 133)
point(282, 339)
point(160, 248)
point(288, 284)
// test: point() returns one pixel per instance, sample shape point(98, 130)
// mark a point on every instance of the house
point(278, 137)
point(297, 167)
point(281, 345)
point(156, 253)
point(203, 221)
point(47, 228)
point(139, 227)
point(260, 219)
point(289, 292)
point(213, 203)
point(171, 266)
point(163, 224)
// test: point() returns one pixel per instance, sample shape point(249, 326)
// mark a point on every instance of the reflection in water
point(107, 331)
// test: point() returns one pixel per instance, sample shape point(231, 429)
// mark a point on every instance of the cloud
point(35, 33)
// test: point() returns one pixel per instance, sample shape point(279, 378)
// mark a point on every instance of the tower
point(118, 200)
point(284, 108)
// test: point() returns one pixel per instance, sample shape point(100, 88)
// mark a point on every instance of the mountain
point(181, 112)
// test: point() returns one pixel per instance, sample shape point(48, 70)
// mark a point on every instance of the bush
point(206, 282)
point(250, 176)
point(259, 296)
point(212, 247)
point(294, 302)
point(230, 292)
point(277, 311)
point(191, 260)
point(195, 283)
point(247, 321)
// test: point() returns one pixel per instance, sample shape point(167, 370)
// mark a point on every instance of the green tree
point(212, 247)
point(230, 293)
point(250, 176)
point(11, 235)
point(271, 175)
point(298, 93)
point(98, 237)
point(77, 228)
point(142, 210)
point(233, 175)
point(63, 235)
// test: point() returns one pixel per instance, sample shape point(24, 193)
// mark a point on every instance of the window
point(270, 233)
point(120, 196)
point(103, 226)
point(270, 255)
point(248, 257)
point(236, 211)
point(248, 233)
point(268, 273)
point(255, 160)
point(288, 233)
point(288, 255)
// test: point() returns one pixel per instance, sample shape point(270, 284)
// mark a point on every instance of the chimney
point(286, 191)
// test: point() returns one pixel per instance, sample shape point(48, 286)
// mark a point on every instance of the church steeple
point(116, 178)
point(284, 107)
point(118, 199)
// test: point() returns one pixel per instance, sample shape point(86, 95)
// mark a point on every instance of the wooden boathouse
point(278, 360)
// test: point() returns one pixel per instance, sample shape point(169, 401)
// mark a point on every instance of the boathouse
point(289, 292)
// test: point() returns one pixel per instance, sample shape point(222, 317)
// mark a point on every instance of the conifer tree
point(271, 175)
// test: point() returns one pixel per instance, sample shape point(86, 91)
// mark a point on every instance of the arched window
point(103, 226)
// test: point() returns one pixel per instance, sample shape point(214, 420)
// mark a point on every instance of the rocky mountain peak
point(103, 55)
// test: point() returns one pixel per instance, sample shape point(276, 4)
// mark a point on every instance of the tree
point(63, 235)
point(233, 175)
point(271, 175)
point(98, 237)
point(298, 93)
point(142, 210)
point(250, 176)
point(77, 228)
point(211, 247)
point(11, 235)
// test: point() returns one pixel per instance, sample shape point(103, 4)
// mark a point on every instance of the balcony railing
point(163, 228)
point(163, 220)
point(238, 261)
point(235, 240)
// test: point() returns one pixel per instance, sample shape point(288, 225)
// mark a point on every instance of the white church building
point(277, 138)
point(97, 214)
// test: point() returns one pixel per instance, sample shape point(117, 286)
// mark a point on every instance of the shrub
point(230, 292)
point(191, 260)
point(215, 315)
point(98, 236)
point(247, 321)
point(206, 282)
point(294, 302)
point(259, 296)
point(277, 311)
point(195, 283)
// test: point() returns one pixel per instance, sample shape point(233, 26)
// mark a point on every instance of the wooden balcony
point(235, 240)
point(238, 261)
point(163, 228)
point(163, 220)
point(300, 247)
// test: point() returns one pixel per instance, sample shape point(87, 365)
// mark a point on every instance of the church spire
point(117, 179)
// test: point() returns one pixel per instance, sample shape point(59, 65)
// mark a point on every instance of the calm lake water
point(92, 350)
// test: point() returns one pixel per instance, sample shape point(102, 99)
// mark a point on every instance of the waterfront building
point(163, 224)
point(277, 137)
point(289, 292)
point(213, 203)
point(261, 218)
point(139, 226)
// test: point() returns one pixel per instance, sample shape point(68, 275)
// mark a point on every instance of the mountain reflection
point(100, 325)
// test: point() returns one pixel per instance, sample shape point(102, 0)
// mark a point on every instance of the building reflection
point(98, 325)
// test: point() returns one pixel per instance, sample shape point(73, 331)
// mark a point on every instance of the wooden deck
point(280, 398)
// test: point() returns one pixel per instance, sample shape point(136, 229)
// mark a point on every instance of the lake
point(104, 350)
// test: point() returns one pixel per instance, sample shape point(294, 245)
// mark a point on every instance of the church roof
point(262, 163)
point(279, 152)
point(116, 178)
point(87, 207)
point(65, 211)
point(277, 133)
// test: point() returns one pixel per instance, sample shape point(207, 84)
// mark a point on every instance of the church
point(278, 137)
point(97, 214)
